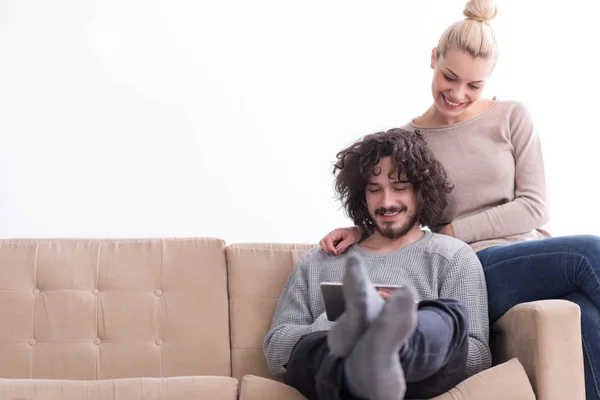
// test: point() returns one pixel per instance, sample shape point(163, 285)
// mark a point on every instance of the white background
point(130, 118)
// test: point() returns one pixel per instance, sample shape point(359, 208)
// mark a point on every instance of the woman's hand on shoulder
point(337, 241)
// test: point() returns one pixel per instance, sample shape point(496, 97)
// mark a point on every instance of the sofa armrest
point(546, 338)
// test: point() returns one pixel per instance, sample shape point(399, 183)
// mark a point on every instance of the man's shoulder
point(315, 256)
point(448, 247)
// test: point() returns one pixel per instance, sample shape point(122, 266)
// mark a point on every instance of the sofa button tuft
point(36, 291)
point(32, 341)
point(95, 291)
point(159, 341)
point(158, 292)
point(97, 341)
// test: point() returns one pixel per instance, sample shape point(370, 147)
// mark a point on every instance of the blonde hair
point(474, 34)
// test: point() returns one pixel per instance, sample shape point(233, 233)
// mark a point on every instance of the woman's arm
point(337, 241)
point(528, 210)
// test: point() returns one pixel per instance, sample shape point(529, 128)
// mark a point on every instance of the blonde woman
point(493, 156)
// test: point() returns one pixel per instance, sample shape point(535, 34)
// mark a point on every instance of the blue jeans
point(555, 268)
point(434, 359)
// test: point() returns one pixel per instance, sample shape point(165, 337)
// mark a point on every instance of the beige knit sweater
point(495, 162)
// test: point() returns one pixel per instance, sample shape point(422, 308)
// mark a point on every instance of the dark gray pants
point(434, 359)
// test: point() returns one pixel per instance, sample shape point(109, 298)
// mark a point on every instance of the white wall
point(135, 118)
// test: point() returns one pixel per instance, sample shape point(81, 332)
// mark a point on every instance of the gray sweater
point(437, 266)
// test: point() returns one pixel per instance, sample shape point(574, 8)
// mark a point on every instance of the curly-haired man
point(419, 340)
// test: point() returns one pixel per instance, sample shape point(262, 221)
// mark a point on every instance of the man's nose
point(388, 199)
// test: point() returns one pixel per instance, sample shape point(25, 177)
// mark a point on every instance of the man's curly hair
point(409, 154)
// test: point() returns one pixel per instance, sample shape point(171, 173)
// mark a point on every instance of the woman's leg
point(562, 267)
point(541, 269)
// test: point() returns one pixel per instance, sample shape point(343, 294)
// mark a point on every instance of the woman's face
point(458, 81)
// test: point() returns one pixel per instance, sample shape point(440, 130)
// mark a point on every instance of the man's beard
point(387, 231)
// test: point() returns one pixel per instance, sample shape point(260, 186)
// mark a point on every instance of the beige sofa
point(185, 319)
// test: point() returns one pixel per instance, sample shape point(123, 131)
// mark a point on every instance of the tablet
point(333, 298)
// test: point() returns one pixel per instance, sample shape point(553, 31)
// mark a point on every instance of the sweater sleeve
point(464, 281)
point(528, 210)
point(292, 320)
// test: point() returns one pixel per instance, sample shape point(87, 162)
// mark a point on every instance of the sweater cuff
point(321, 324)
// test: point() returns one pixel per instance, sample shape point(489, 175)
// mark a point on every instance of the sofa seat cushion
point(259, 388)
point(505, 381)
point(176, 388)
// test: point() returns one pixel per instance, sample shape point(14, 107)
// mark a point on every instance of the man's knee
point(453, 311)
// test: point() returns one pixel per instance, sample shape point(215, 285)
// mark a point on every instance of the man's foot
point(373, 368)
point(363, 304)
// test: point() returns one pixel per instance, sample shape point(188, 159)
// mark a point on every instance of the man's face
point(392, 204)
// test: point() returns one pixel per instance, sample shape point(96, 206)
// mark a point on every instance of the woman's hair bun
point(480, 10)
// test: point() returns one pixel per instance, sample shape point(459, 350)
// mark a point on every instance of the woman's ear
point(433, 57)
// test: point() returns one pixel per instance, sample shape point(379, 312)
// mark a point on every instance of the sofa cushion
point(259, 388)
point(102, 309)
point(257, 274)
point(180, 388)
point(502, 382)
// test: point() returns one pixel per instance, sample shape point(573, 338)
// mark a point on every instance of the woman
point(493, 156)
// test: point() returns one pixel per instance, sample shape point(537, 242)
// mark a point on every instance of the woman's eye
point(448, 78)
point(474, 87)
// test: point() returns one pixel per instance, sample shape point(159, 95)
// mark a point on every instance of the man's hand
point(384, 292)
point(338, 240)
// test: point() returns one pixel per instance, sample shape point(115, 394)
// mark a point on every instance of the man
point(417, 341)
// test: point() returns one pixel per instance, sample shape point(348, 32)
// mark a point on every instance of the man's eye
point(374, 190)
point(399, 189)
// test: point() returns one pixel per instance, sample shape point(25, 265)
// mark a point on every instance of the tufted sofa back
point(257, 274)
point(102, 309)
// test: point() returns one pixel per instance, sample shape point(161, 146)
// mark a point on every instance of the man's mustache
point(382, 210)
